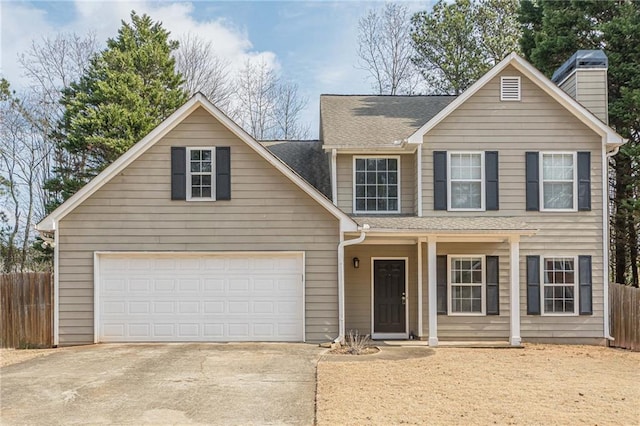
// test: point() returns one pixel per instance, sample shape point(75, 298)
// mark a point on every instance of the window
point(466, 285)
point(509, 88)
point(466, 184)
point(376, 184)
point(558, 174)
point(559, 285)
point(200, 174)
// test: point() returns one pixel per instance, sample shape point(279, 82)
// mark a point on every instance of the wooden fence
point(624, 305)
point(26, 314)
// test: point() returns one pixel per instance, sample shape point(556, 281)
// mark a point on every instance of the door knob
point(404, 299)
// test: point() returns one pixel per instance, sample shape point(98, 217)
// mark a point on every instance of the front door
point(389, 296)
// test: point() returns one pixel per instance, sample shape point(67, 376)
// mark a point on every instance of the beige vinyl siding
point(591, 88)
point(358, 284)
point(569, 85)
point(134, 212)
point(344, 169)
point(537, 123)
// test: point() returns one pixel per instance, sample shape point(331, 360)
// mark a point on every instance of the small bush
point(356, 343)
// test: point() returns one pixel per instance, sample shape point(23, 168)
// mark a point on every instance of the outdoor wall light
point(356, 262)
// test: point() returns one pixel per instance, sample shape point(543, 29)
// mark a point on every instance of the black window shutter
point(533, 186)
point(533, 285)
point(584, 274)
point(178, 173)
point(440, 180)
point(493, 288)
point(584, 181)
point(491, 180)
point(441, 284)
point(223, 173)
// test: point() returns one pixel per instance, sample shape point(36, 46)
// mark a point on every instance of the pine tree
point(552, 32)
point(128, 89)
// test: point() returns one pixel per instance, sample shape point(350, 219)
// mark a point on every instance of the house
point(477, 217)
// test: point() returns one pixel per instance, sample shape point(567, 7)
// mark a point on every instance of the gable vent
point(510, 88)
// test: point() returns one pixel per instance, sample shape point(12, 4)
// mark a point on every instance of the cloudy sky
point(310, 42)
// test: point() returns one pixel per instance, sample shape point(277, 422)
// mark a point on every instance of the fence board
point(624, 305)
point(26, 314)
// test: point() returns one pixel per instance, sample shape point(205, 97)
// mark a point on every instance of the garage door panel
point(212, 297)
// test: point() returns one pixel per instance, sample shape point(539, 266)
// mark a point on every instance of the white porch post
point(433, 291)
point(420, 300)
point(514, 310)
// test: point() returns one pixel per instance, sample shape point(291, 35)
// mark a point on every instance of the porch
point(435, 281)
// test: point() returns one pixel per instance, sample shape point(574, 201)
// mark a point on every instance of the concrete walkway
point(252, 383)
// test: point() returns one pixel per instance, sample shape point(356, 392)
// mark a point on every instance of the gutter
point(341, 325)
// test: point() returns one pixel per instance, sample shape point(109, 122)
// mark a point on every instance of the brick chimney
point(584, 78)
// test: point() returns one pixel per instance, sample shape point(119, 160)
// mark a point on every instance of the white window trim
point(575, 181)
point(576, 279)
point(483, 301)
point(213, 173)
point(482, 182)
point(353, 186)
point(502, 98)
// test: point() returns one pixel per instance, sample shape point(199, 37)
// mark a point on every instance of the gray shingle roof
point(307, 159)
point(446, 224)
point(373, 120)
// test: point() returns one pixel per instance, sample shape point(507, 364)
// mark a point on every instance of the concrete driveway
point(252, 383)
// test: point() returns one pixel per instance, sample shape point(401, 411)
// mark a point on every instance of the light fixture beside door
point(356, 262)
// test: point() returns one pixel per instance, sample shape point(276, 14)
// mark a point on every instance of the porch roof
point(475, 225)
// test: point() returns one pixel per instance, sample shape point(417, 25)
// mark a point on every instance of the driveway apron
point(243, 383)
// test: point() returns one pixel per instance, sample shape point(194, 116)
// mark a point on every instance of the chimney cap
point(580, 60)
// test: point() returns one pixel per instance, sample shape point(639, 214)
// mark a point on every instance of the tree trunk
point(620, 225)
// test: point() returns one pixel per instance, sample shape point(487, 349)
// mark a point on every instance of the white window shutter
point(510, 88)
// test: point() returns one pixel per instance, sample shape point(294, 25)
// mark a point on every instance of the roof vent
point(510, 88)
point(580, 59)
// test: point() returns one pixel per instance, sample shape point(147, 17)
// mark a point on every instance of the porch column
point(420, 262)
point(433, 291)
point(514, 310)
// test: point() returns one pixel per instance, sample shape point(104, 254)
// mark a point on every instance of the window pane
point(360, 178)
point(382, 164)
point(371, 191)
point(393, 191)
point(360, 191)
point(360, 204)
point(206, 191)
point(371, 177)
point(393, 178)
point(382, 191)
point(382, 178)
point(393, 204)
point(206, 155)
point(466, 195)
point(360, 163)
point(371, 164)
point(371, 205)
point(382, 205)
point(558, 195)
point(195, 166)
point(392, 164)
point(206, 167)
point(195, 192)
point(206, 180)
point(195, 155)
point(195, 180)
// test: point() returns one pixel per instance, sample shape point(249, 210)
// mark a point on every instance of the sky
point(312, 43)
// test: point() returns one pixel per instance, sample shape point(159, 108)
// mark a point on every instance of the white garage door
point(199, 297)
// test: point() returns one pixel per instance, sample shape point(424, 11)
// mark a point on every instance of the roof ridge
point(388, 96)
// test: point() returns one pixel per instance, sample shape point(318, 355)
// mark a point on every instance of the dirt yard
point(541, 384)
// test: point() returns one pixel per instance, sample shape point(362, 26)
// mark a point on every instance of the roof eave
point(610, 136)
point(49, 223)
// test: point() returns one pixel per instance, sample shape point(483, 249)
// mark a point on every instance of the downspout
point(605, 229)
point(341, 246)
point(334, 174)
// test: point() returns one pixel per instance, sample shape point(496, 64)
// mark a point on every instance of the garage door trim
point(97, 255)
